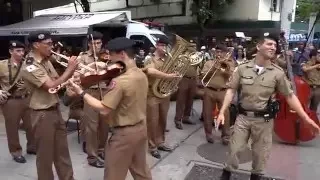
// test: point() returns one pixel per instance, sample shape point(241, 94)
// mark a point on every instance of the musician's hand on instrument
point(75, 87)
point(70, 91)
point(72, 64)
point(3, 96)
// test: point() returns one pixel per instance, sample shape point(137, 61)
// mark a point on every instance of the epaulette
point(244, 62)
point(276, 66)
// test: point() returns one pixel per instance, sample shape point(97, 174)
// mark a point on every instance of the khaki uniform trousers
point(210, 100)
point(51, 142)
point(315, 98)
point(185, 94)
point(127, 150)
point(260, 133)
point(13, 111)
point(96, 129)
point(157, 111)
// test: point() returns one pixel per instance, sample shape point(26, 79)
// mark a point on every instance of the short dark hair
point(313, 52)
point(130, 52)
point(222, 47)
point(262, 39)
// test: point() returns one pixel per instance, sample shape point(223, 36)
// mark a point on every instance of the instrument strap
point(12, 80)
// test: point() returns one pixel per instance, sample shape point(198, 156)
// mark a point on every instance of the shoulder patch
point(31, 68)
point(29, 60)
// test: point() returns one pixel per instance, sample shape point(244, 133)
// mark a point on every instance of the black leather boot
point(225, 175)
point(255, 177)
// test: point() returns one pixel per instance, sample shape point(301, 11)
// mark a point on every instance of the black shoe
point(167, 130)
point(155, 153)
point(31, 152)
point(165, 148)
point(188, 122)
point(84, 146)
point(97, 163)
point(101, 155)
point(178, 125)
point(210, 139)
point(255, 177)
point(225, 175)
point(19, 159)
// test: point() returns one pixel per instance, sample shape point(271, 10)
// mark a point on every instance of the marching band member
point(186, 91)
point(157, 108)
point(96, 130)
point(47, 123)
point(215, 92)
point(257, 81)
point(14, 101)
point(311, 70)
point(125, 101)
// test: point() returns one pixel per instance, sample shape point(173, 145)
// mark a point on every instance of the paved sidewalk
point(9, 170)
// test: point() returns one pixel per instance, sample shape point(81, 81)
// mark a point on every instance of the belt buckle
point(250, 114)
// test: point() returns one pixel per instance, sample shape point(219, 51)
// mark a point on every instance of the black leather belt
point(18, 97)
point(215, 89)
point(121, 127)
point(189, 77)
point(315, 86)
point(253, 113)
point(48, 109)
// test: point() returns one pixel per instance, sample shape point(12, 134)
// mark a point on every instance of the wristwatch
point(82, 94)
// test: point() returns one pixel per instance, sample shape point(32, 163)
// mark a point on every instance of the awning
point(64, 24)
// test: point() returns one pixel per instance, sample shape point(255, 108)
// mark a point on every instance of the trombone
point(219, 64)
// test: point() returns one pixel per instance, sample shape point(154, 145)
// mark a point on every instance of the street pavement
point(289, 162)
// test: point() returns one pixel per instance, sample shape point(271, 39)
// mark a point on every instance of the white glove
point(3, 96)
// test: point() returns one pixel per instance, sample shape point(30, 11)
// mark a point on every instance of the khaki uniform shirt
point(153, 63)
point(35, 75)
point(192, 72)
point(127, 97)
point(4, 78)
point(86, 58)
point(220, 79)
point(313, 76)
point(257, 89)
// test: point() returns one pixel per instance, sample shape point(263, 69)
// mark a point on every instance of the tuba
point(219, 64)
point(178, 60)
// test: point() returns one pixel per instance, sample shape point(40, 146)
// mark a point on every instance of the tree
point(305, 8)
point(209, 10)
point(85, 5)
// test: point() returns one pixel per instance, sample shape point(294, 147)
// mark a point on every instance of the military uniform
point(15, 109)
point(96, 130)
point(214, 95)
point(187, 88)
point(157, 110)
point(313, 79)
point(47, 123)
point(126, 97)
point(255, 91)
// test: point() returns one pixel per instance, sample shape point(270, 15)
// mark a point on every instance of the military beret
point(95, 35)
point(37, 36)
point(16, 44)
point(163, 40)
point(120, 43)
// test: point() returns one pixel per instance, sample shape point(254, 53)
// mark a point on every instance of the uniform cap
point(120, 43)
point(37, 36)
point(16, 44)
point(163, 40)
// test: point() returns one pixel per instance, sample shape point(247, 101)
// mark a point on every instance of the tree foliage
point(85, 5)
point(209, 10)
point(305, 8)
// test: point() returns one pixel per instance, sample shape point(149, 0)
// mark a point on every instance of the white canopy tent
point(65, 24)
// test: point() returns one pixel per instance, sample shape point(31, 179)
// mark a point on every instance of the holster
point(233, 114)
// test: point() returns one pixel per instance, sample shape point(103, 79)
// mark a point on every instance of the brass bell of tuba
point(178, 60)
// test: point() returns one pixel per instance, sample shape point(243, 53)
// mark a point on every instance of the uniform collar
point(252, 65)
point(14, 64)
point(130, 64)
point(36, 59)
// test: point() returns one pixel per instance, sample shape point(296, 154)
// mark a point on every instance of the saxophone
point(182, 55)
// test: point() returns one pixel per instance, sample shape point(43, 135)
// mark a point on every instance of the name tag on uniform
point(31, 68)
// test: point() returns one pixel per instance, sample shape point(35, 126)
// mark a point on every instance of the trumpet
point(66, 65)
point(216, 66)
